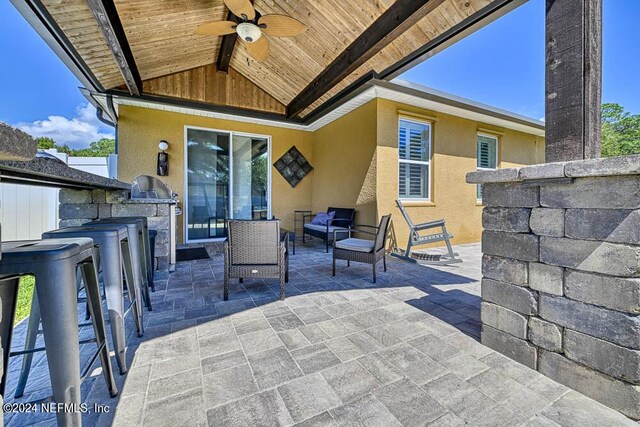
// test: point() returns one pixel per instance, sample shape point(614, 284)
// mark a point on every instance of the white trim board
point(486, 115)
point(464, 113)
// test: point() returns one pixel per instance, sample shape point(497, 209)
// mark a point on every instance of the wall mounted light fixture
point(163, 159)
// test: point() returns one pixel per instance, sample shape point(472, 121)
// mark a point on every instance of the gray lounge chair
point(418, 237)
point(256, 249)
point(362, 250)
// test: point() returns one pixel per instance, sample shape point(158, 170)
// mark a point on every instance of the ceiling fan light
point(248, 32)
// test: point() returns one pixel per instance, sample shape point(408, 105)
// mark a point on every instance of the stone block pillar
point(561, 273)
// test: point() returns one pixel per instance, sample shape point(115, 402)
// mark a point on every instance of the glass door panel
point(208, 177)
point(250, 165)
point(227, 177)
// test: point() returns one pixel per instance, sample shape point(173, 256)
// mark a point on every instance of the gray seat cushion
point(358, 245)
point(323, 228)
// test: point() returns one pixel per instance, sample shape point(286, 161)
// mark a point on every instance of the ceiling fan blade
point(241, 7)
point(258, 50)
point(281, 26)
point(216, 28)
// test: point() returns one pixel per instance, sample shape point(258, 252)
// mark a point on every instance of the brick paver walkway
point(338, 351)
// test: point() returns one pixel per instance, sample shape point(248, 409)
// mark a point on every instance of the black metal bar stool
point(54, 262)
point(137, 245)
point(110, 240)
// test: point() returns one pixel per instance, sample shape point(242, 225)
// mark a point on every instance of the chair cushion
point(323, 218)
point(358, 245)
point(323, 229)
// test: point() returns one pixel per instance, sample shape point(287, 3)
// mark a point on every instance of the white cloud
point(78, 132)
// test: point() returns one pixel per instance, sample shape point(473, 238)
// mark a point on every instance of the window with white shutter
point(487, 155)
point(414, 151)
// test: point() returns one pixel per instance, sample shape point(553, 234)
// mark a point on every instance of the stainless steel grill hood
point(149, 187)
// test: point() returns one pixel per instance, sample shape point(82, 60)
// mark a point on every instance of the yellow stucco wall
point(344, 154)
point(140, 130)
point(454, 154)
point(355, 160)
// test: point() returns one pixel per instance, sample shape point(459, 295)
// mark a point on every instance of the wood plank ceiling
point(79, 25)
point(160, 34)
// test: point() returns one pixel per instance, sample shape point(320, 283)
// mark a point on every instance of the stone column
point(561, 273)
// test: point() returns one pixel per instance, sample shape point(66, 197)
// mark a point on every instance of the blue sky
point(37, 91)
point(501, 65)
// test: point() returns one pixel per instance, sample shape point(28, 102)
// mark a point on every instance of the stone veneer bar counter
point(561, 273)
point(85, 196)
point(78, 207)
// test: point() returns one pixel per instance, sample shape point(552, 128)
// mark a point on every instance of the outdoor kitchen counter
point(48, 170)
point(85, 197)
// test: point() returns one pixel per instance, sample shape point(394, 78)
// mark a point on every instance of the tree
point(45, 143)
point(259, 168)
point(101, 148)
point(620, 131)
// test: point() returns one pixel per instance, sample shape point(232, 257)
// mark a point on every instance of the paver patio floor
point(338, 351)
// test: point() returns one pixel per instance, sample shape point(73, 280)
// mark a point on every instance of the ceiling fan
point(252, 27)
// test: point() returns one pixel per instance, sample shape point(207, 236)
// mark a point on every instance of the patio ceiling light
point(249, 32)
point(250, 26)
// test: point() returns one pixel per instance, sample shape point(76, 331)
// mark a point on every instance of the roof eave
point(415, 95)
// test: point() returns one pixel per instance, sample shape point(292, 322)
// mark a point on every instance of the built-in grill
point(151, 189)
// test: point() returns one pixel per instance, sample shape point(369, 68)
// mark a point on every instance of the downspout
point(105, 118)
point(100, 114)
point(112, 110)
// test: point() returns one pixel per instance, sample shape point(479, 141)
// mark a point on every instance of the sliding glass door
point(250, 177)
point(227, 177)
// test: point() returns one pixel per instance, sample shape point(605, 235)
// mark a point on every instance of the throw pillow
point(323, 218)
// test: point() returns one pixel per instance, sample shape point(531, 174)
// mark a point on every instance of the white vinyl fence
point(28, 211)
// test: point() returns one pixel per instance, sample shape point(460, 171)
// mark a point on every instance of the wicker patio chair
point(341, 221)
point(256, 249)
point(362, 250)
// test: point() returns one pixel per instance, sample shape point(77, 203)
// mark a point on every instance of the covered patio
point(337, 351)
point(342, 350)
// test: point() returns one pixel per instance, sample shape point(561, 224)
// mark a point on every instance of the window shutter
point(413, 141)
point(487, 152)
point(416, 149)
point(483, 154)
point(414, 155)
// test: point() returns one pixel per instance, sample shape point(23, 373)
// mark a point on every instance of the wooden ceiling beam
point(227, 46)
point(397, 19)
point(106, 14)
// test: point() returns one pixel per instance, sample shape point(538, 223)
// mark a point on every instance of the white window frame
point(497, 139)
point(429, 124)
point(185, 222)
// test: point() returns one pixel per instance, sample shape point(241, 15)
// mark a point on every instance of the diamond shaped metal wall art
point(293, 166)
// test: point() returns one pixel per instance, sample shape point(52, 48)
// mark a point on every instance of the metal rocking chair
point(416, 239)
